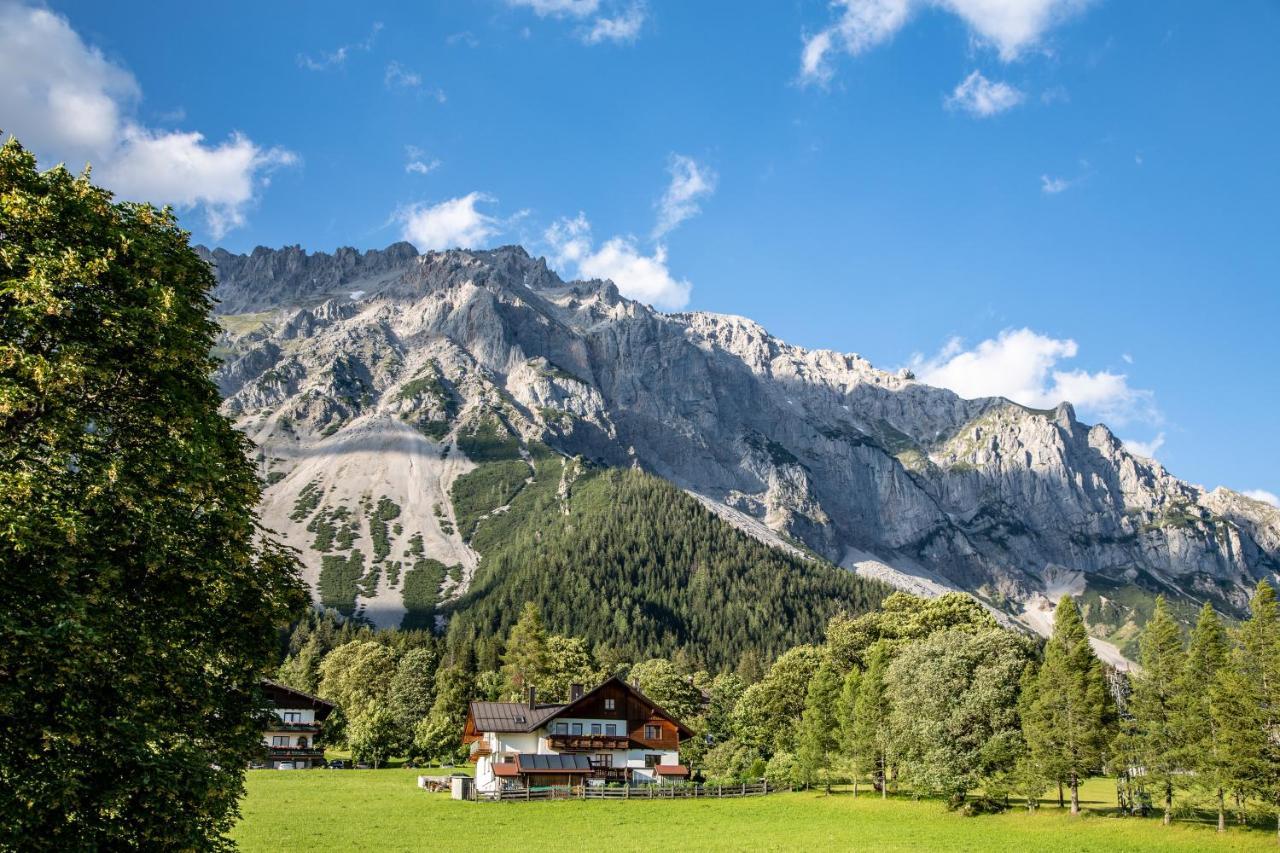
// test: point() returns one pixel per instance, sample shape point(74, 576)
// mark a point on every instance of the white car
point(285, 765)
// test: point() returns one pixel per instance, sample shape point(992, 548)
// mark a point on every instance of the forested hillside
point(624, 559)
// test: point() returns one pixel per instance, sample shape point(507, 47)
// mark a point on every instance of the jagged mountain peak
point(387, 361)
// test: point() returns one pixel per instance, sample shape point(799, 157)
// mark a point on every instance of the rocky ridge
point(364, 378)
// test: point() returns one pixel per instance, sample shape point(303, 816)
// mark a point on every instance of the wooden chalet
point(612, 733)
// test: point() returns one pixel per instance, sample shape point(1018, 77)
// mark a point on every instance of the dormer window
point(610, 704)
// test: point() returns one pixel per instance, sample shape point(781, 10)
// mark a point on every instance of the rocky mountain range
point(373, 382)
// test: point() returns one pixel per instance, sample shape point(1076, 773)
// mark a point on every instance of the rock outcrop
point(357, 370)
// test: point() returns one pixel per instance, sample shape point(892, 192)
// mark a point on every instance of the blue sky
point(1039, 198)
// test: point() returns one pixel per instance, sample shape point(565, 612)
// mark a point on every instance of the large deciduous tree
point(955, 709)
point(140, 600)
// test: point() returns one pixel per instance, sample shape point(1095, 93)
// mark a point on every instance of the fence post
point(528, 793)
point(766, 786)
point(626, 792)
point(744, 789)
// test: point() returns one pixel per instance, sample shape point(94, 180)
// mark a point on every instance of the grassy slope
point(383, 810)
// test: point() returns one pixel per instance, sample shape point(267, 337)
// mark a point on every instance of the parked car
point(337, 764)
point(285, 765)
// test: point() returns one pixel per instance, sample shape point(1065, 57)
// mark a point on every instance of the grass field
point(384, 810)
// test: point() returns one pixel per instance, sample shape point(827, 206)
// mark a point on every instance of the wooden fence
point(629, 792)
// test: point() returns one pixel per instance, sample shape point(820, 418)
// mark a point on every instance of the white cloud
point(64, 100)
point(558, 8)
point(1053, 186)
point(690, 182)
point(981, 97)
point(1264, 496)
point(184, 171)
point(1011, 27)
point(398, 75)
point(449, 224)
point(338, 57)
point(1145, 449)
point(622, 27)
point(637, 275)
point(418, 162)
point(1022, 365)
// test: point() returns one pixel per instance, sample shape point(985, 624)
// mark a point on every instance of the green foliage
point(339, 581)
point(628, 559)
point(386, 510)
point(357, 676)
point(375, 735)
point(569, 662)
point(903, 618)
point(140, 598)
point(819, 733)
point(439, 735)
point(307, 501)
point(1202, 738)
point(1067, 722)
point(662, 682)
point(484, 489)
point(766, 716)
point(488, 440)
point(1155, 704)
point(526, 662)
point(954, 701)
point(421, 592)
point(872, 733)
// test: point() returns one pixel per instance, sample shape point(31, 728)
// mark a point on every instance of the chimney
point(575, 692)
point(533, 698)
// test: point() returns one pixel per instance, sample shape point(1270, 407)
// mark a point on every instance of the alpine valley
point(418, 416)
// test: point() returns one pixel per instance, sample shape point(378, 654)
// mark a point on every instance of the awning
point(671, 769)
point(506, 768)
point(559, 764)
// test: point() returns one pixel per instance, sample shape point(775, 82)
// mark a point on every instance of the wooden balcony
point(479, 748)
point(587, 743)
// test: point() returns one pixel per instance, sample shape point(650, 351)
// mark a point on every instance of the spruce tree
point(1199, 732)
point(1065, 725)
point(1249, 691)
point(846, 707)
point(819, 735)
point(526, 661)
point(871, 721)
point(1155, 703)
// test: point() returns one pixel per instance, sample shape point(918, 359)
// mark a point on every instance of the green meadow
point(384, 810)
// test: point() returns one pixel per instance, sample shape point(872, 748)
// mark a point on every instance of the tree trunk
point(1222, 812)
point(855, 784)
point(1168, 803)
point(1060, 802)
point(1075, 794)
point(884, 777)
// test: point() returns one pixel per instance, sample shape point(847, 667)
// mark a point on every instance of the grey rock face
point(868, 468)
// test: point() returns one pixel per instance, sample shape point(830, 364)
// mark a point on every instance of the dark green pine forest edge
point(626, 560)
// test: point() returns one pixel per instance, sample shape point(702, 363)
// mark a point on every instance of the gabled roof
point(566, 710)
point(284, 696)
point(510, 716)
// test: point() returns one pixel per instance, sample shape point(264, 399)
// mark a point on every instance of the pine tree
point(526, 661)
point(846, 707)
point(1199, 733)
point(1249, 692)
point(872, 733)
point(819, 734)
point(1065, 726)
point(1155, 702)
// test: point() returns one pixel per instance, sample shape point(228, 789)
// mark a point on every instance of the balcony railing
point(479, 748)
point(586, 743)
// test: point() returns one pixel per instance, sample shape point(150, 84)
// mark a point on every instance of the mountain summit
point(374, 382)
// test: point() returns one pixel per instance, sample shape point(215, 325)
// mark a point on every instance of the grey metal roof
point(510, 716)
point(573, 761)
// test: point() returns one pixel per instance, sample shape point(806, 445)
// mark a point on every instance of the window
point(652, 732)
point(562, 728)
point(610, 705)
point(577, 728)
point(611, 729)
point(596, 728)
point(279, 740)
point(292, 716)
point(652, 759)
